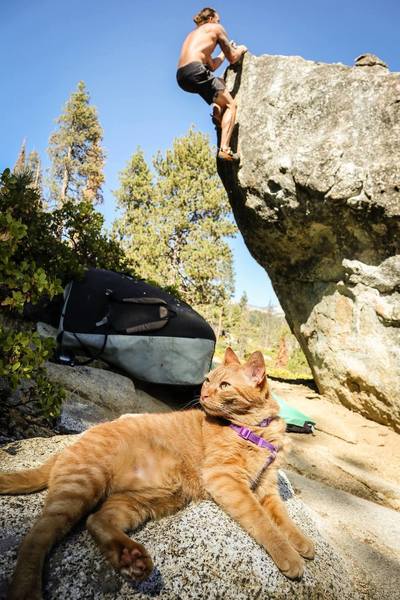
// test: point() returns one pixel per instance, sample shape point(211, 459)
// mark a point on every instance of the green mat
point(295, 420)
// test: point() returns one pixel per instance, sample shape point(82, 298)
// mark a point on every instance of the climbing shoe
point(228, 155)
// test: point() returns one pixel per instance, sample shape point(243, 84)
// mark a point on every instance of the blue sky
point(126, 52)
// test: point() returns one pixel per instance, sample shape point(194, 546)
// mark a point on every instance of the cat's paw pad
point(135, 563)
point(292, 566)
point(306, 549)
point(304, 546)
point(295, 569)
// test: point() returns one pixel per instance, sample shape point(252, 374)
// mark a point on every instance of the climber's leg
point(228, 107)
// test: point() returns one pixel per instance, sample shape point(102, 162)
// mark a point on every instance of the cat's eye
point(224, 384)
point(206, 380)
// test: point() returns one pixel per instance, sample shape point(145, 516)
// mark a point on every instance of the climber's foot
point(228, 155)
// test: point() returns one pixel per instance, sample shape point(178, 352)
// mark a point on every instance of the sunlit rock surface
point(317, 198)
point(199, 553)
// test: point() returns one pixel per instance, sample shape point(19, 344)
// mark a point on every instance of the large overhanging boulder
point(317, 198)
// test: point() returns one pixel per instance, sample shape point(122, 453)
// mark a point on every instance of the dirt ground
point(347, 452)
point(348, 475)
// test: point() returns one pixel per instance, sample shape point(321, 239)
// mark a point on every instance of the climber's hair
point(204, 15)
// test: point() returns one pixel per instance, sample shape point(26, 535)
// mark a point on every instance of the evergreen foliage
point(31, 164)
point(175, 220)
point(243, 301)
point(34, 166)
point(24, 230)
point(23, 280)
point(19, 166)
point(75, 151)
point(39, 252)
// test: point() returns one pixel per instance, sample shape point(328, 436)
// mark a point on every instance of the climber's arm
point(231, 53)
point(216, 62)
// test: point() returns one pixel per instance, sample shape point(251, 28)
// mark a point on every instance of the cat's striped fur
point(145, 466)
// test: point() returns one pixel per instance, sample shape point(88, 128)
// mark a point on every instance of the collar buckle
point(245, 432)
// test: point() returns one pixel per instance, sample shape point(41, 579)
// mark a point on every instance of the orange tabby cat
point(146, 466)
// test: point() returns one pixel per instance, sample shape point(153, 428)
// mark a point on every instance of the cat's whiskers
point(240, 419)
point(190, 404)
point(227, 414)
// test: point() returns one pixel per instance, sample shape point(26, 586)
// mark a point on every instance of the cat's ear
point(255, 368)
point(230, 357)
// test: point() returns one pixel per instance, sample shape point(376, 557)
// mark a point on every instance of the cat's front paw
point(289, 562)
point(303, 544)
point(135, 562)
point(294, 568)
point(307, 549)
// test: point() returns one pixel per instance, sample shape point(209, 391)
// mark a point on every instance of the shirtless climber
point(195, 68)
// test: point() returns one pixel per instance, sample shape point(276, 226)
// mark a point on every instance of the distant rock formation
point(317, 199)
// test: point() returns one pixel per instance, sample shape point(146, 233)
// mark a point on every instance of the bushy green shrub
point(22, 279)
point(22, 355)
point(40, 251)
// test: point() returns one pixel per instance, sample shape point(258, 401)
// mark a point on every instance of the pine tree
point(20, 164)
point(76, 153)
point(174, 224)
point(34, 165)
point(243, 301)
point(244, 327)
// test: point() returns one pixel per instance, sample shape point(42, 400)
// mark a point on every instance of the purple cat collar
point(247, 434)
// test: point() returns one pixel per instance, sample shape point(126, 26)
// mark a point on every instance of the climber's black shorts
point(196, 78)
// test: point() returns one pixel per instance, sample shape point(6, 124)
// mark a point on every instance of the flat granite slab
point(199, 552)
